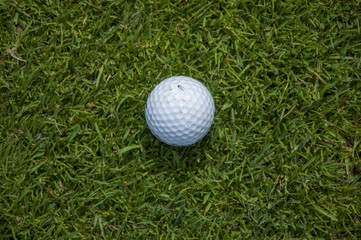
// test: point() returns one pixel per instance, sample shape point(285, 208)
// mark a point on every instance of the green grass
point(282, 159)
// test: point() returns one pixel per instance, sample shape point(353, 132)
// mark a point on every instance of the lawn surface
point(282, 159)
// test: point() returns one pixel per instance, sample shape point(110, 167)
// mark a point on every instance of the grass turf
point(282, 159)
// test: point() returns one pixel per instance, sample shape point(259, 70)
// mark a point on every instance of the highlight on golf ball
point(180, 111)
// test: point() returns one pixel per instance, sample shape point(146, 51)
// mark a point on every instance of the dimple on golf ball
point(180, 111)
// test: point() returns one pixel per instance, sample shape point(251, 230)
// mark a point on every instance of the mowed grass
point(281, 161)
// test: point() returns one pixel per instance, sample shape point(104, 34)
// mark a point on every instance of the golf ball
point(179, 111)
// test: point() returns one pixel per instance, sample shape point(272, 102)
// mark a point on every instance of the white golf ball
point(180, 111)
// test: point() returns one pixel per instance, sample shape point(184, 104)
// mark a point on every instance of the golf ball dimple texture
point(180, 111)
